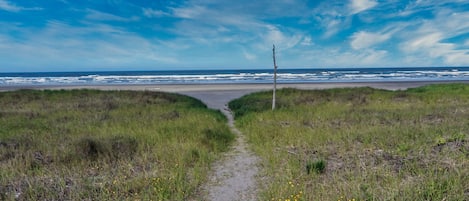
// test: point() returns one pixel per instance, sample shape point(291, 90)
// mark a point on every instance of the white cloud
point(207, 25)
point(423, 41)
point(274, 35)
point(5, 5)
point(424, 5)
point(283, 40)
point(430, 39)
point(318, 56)
point(249, 56)
point(191, 12)
point(357, 6)
point(60, 45)
point(431, 46)
point(363, 39)
point(332, 17)
point(221, 26)
point(307, 41)
point(332, 26)
point(264, 8)
point(452, 23)
point(101, 16)
point(361, 58)
point(373, 57)
point(459, 58)
point(148, 12)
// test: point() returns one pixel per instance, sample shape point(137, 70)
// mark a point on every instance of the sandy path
point(233, 177)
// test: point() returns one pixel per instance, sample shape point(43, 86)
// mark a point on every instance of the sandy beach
point(235, 87)
point(217, 95)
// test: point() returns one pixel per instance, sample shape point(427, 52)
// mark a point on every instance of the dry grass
point(106, 145)
point(373, 144)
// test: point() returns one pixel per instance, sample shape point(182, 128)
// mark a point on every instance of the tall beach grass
point(361, 143)
point(106, 145)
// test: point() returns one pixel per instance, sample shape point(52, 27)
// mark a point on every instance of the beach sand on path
point(217, 95)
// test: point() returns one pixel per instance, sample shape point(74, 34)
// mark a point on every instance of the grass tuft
point(218, 139)
point(114, 148)
point(318, 166)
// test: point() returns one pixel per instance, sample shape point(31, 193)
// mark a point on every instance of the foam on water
point(236, 76)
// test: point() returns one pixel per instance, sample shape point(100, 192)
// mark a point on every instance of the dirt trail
point(234, 177)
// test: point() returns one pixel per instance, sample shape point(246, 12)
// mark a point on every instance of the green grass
point(361, 143)
point(106, 145)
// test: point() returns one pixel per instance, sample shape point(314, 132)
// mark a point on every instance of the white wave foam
point(239, 77)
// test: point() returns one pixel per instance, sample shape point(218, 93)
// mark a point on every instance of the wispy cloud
point(333, 17)
point(334, 25)
point(373, 58)
point(192, 12)
point(221, 25)
point(102, 16)
point(363, 39)
point(5, 5)
point(357, 6)
point(417, 6)
point(431, 38)
point(71, 47)
point(432, 46)
point(150, 13)
point(275, 35)
point(249, 56)
point(307, 41)
point(422, 41)
point(238, 33)
point(335, 57)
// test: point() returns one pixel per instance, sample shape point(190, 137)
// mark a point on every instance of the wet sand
point(261, 86)
point(217, 95)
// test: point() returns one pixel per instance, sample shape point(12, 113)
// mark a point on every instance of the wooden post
point(275, 78)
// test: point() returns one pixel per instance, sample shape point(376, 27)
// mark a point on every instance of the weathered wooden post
point(275, 78)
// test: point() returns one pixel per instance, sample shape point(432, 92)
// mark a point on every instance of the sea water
point(236, 76)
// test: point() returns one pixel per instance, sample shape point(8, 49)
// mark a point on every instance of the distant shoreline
point(228, 77)
point(389, 85)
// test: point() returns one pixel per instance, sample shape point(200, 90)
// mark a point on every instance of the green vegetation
point(361, 143)
point(106, 145)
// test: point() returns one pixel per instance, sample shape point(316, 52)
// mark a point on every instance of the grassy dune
point(106, 145)
point(361, 143)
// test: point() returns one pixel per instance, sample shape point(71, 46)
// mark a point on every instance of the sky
point(88, 35)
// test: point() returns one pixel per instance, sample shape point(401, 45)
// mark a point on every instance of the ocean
point(236, 76)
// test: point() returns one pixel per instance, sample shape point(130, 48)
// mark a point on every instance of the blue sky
point(66, 35)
